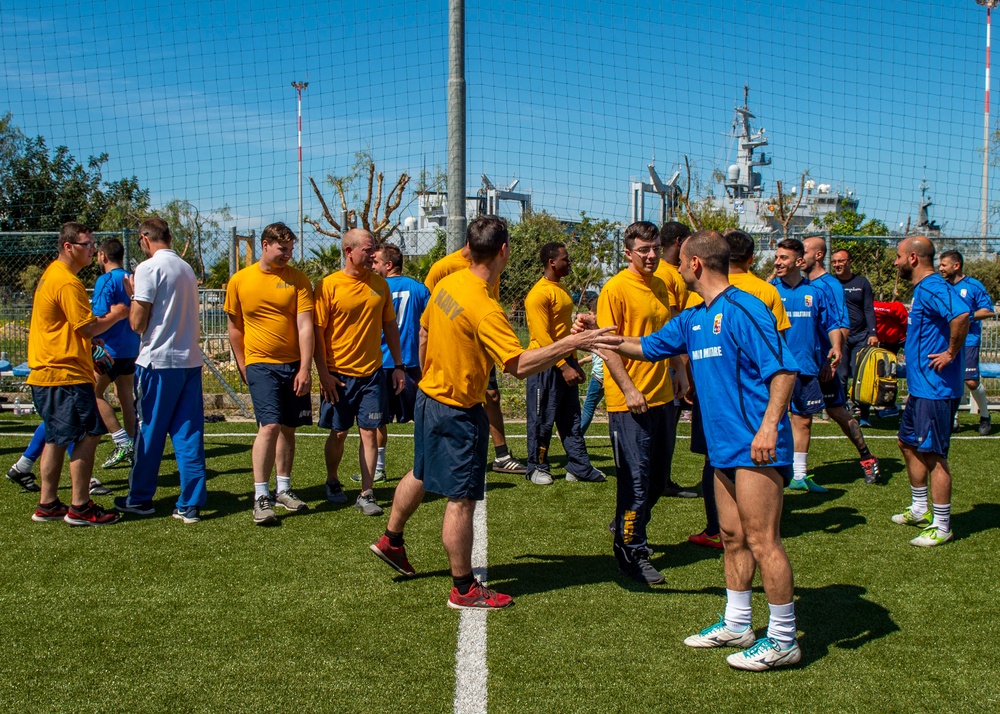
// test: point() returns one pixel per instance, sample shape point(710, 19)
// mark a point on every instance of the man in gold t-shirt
point(553, 397)
point(640, 399)
point(504, 463)
point(353, 309)
point(672, 236)
point(463, 332)
point(62, 379)
point(270, 309)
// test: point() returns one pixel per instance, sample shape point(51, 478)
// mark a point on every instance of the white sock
point(260, 489)
point(120, 437)
point(737, 609)
point(942, 517)
point(380, 463)
point(781, 625)
point(799, 465)
point(979, 394)
point(284, 484)
point(919, 505)
point(24, 465)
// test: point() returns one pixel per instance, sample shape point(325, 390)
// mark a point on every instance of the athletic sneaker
point(954, 423)
point(54, 511)
point(870, 467)
point(864, 423)
point(984, 426)
point(290, 502)
point(24, 480)
point(379, 477)
point(703, 538)
point(909, 518)
point(367, 505)
point(191, 514)
point(889, 412)
point(509, 465)
point(263, 511)
point(718, 635)
point(806, 484)
point(393, 555)
point(642, 571)
point(677, 491)
point(766, 653)
point(930, 537)
point(122, 454)
point(90, 515)
point(596, 476)
point(335, 493)
point(143, 508)
point(479, 597)
point(539, 477)
point(98, 489)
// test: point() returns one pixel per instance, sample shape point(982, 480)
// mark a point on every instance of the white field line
point(470, 656)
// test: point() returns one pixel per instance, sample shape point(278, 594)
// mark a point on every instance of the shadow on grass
point(982, 517)
point(838, 615)
point(848, 471)
point(833, 520)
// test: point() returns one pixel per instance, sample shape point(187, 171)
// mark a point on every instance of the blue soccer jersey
point(836, 292)
point(976, 297)
point(409, 298)
point(735, 350)
point(812, 316)
point(935, 304)
point(120, 340)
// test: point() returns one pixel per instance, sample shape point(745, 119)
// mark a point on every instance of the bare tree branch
point(326, 210)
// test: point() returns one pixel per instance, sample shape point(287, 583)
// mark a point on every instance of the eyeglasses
point(646, 250)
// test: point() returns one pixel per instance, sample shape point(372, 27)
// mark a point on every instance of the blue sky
point(573, 98)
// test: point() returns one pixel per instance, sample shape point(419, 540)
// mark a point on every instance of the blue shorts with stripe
point(450, 445)
point(807, 395)
point(926, 424)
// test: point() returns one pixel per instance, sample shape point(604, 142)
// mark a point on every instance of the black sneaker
point(509, 465)
point(24, 480)
point(642, 571)
point(984, 426)
point(676, 491)
point(143, 508)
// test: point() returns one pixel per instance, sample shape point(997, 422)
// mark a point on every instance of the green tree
point(848, 222)
point(322, 261)
point(417, 268)
point(193, 230)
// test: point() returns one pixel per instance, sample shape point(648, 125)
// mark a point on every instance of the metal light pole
point(456, 125)
point(299, 86)
point(989, 5)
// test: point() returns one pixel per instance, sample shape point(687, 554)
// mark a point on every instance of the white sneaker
point(718, 635)
point(539, 477)
point(766, 653)
point(930, 537)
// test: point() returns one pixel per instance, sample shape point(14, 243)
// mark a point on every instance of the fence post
point(233, 253)
point(125, 242)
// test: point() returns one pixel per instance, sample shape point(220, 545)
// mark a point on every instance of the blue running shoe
point(806, 484)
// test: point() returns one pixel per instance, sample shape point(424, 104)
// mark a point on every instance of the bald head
point(914, 258)
point(356, 237)
point(921, 246)
point(814, 251)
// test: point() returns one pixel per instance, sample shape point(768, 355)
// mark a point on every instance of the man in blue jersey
point(980, 304)
point(939, 323)
point(812, 313)
point(733, 345)
point(834, 395)
point(122, 343)
point(409, 298)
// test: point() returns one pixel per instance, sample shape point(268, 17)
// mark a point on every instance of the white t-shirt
point(172, 336)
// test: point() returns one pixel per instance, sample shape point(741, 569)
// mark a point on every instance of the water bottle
point(17, 406)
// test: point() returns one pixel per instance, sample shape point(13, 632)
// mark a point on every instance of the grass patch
point(151, 615)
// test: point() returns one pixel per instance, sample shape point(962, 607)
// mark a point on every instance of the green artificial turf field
point(154, 615)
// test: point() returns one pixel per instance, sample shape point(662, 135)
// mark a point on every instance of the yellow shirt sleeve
point(72, 298)
point(304, 294)
point(499, 339)
point(539, 312)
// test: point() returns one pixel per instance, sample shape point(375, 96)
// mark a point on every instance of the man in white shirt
point(165, 313)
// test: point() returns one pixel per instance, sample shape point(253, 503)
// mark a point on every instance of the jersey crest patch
point(809, 300)
point(963, 292)
point(717, 325)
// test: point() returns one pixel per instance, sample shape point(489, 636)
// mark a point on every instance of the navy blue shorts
point(449, 448)
point(123, 367)
point(833, 393)
point(926, 424)
point(360, 398)
point(399, 407)
point(807, 395)
point(493, 385)
point(971, 362)
point(274, 398)
point(698, 443)
point(69, 413)
point(785, 471)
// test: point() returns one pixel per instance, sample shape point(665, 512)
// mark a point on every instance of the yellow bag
point(874, 377)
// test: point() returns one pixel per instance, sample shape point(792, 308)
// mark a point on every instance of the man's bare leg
point(81, 468)
point(333, 451)
point(367, 456)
